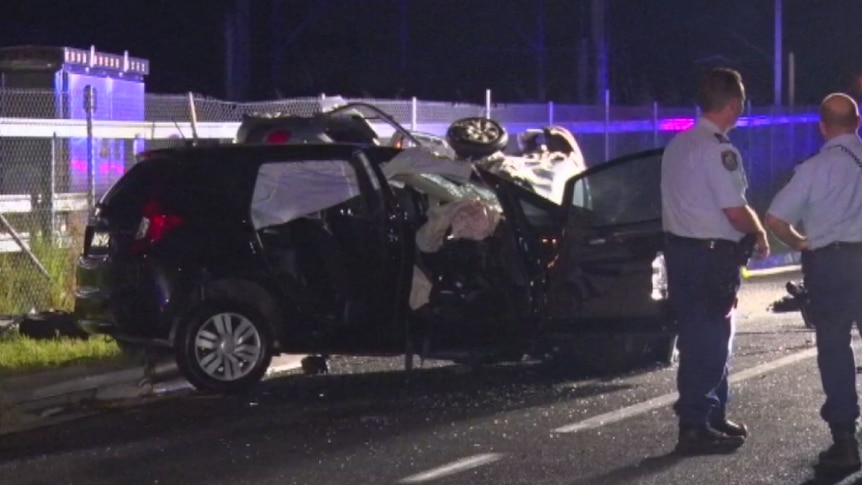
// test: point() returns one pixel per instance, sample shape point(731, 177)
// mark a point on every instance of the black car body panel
point(603, 277)
point(177, 231)
point(138, 294)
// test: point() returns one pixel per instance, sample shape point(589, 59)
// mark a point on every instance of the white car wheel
point(227, 346)
point(224, 347)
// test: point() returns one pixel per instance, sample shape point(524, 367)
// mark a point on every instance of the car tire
point(224, 347)
point(51, 324)
point(476, 137)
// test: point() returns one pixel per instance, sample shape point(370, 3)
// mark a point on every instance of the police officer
point(705, 216)
point(825, 194)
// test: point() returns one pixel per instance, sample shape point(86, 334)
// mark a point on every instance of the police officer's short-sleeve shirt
point(702, 174)
point(825, 194)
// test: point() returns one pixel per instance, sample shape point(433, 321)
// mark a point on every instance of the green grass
point(22, 355)
point(24, 288)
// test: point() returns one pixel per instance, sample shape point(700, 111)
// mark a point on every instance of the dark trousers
point(833, 278)
point(702, 285)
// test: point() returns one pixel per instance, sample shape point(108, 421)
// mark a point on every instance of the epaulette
point(722, 138)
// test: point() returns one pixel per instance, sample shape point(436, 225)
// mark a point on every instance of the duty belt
point(720, 244)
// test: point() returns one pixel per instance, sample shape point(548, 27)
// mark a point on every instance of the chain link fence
point(45, 158)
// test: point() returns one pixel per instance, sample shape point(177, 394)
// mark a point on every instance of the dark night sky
point(457, 48)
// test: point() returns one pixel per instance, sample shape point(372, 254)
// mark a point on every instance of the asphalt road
point(370, 423)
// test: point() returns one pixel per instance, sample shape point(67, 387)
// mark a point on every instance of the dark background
point(455, 49)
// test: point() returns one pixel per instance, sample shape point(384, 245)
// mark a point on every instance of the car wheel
point(224, 347)
point(476, 137)
point(51, 324)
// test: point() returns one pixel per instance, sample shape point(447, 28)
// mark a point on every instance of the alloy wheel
point(228, 346)
point(478, 130)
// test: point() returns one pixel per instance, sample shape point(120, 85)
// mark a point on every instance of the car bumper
point(92, 311)
point(118, 299)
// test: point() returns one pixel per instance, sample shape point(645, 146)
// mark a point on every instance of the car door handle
point(597, 241)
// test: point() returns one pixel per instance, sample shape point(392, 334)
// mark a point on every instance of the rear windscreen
point(125, 200)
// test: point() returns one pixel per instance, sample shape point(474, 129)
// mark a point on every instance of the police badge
point(729, 160)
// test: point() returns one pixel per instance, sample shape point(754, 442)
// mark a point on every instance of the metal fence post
point(488, 103)
point(750, 126)
point(413, 113)
point(52, 190)
point(90, 108)
point(193, 117)
point(772, 132)
point(607, 124)
point(655, 123)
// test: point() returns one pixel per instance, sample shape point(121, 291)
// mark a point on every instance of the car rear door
point(608, 273)
point(331, 239)
point(377, 243)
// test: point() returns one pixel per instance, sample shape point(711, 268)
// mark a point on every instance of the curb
point(23, 397)
point(29, 408)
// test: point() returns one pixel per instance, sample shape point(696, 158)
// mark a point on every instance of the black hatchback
point(228, 255)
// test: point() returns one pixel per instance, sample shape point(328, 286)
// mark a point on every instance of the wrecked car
point(229, 255)
point(541, 159)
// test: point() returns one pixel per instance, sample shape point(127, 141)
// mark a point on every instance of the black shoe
point(729, 428)
point(842, 458)
point(703, 440)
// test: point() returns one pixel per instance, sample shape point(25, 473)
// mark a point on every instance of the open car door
point(608, 274)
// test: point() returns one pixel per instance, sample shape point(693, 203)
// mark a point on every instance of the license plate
point(100, 240)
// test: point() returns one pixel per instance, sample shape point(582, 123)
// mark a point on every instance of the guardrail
point(63, 203)
point(124, 130)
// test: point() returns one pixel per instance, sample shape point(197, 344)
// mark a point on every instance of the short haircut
point(718, 87)
point(841, 115)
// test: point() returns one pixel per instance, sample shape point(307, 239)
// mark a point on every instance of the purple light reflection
point(680, 124)
point(675, 124)
point(103, 168)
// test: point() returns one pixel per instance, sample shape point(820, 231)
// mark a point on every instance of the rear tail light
point(155, 224)
point(277, 137)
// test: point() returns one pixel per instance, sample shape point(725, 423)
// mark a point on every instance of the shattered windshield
point(453, 191)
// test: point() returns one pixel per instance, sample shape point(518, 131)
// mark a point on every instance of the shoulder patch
point(729, 160)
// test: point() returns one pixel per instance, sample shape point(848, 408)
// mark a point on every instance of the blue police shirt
point(702, 174)
point(825, 194)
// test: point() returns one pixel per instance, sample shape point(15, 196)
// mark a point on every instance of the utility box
point(46, 148)
point(39, 82)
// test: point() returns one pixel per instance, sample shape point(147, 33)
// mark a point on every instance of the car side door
point(325, 229)
point(608, 273)
point(377, 243)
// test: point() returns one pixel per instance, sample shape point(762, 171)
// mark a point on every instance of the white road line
point(667, 399)
point(459, 466)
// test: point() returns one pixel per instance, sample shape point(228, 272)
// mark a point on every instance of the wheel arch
point(242, 291)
